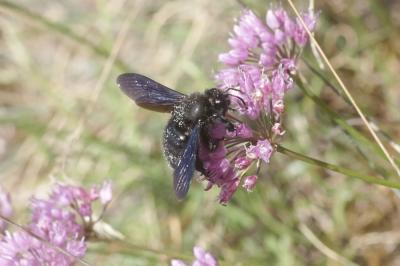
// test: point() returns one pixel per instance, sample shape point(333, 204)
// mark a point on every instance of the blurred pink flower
point(277, 129)
point(242, 162)
point(250, 182)
point(106, 193)
point(202, 258)
point(19, 248)
point(64, 220)
point(262, 150)
point(178, 263)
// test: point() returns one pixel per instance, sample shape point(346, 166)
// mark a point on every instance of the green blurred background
point(62, 117)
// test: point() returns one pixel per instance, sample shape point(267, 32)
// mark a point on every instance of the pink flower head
point(16, 249)
point(250, 182)
point(277, 129)
point(228, 189)
point(278, 106)
point(273, 21)
point(178, 263)
point(219, 171)
point(299, 33)
point(67, 195)
point(263, 60)
point(257, 73)
point(106, 193)
point(263, 150)
point(242, 130)
point(56, 221)
point(20, 248)
point(202, 258)
point(242, 163)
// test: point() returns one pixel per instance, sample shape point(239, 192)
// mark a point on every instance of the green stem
point(128, 248)
point(353, 132)
point(330, 85)
point(338, 169)
point(326, 81)
point(61, 29)
point(124, 246)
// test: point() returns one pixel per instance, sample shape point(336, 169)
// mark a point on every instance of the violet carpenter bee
point(192, 118)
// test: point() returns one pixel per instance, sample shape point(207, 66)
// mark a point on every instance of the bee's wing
point(184, 171)
point(147, 93)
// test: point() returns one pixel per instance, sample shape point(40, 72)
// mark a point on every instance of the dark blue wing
point(184, 171)
point(147, 93)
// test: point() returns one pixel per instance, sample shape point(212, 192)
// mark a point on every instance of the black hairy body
point(192, 118)
point(202, 110)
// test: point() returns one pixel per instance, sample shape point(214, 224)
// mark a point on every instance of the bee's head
point(218, 100)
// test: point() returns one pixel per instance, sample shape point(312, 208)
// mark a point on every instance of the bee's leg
point(212, 144)
point(228, 124)
point(207, 139)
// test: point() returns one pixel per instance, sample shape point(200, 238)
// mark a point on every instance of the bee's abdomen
point(174, 142)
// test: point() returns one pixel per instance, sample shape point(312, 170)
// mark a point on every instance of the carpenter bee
point(192, 118)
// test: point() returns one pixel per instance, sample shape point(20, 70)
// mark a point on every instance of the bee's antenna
point(239, 98)
point(232, 89)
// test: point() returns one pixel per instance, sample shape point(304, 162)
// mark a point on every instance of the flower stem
point(338, 169)
point(128, 248)
point(330, 85)
point(347, 92)
point(124, 246)
point(351, 131)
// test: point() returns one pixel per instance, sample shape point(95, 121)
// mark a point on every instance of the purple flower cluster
point(65, 220)
point(258, 72)
point(262, 59)
point(202, 258)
